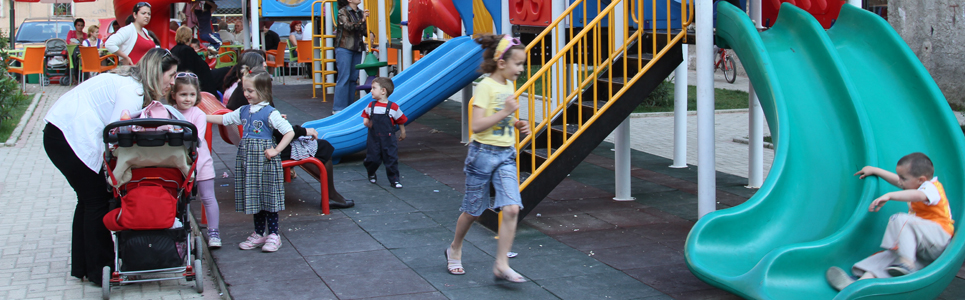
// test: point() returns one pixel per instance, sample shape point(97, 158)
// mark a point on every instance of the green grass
point(723, 99)
point(7, 126)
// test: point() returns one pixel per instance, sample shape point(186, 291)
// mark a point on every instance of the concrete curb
point(745, 141)
point(15, 135)
point(212, 266)
point(689, 113)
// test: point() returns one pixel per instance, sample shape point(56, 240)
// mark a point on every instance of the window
point(62, 9)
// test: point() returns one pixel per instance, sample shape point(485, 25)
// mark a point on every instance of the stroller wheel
point(45, 81)
point(106, 283)
point(198, 276)
point(198, 249)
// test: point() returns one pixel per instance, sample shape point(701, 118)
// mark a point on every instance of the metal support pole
point(504, 24)
point(255, 28)
point(755, 126)
point(706, 171)
point(755, 145)
point(13, 26)
point(621, 164)
point(680, 113)
point(406, 45)
point(383, 38)
point(464, 113)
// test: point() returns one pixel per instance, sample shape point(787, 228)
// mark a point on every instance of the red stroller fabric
point(149, 204)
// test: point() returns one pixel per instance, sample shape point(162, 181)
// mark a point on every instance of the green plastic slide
point(835, 101)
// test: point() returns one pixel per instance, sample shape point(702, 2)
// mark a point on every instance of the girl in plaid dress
point(258, 171)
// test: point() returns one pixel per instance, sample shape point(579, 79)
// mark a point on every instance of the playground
point(611, 209)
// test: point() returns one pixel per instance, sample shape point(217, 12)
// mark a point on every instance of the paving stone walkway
point(35, 227)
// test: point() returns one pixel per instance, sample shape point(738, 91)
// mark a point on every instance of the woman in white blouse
point(74, 143)
point(131, 42)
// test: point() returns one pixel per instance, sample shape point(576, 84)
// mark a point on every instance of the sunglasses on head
point(185, 74)
point(141, 4)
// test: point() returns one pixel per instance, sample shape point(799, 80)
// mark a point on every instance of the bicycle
point(725, 63)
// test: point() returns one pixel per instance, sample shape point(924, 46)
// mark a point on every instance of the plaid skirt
point(259, 182)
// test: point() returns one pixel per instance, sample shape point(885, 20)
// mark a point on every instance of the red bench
point(211, 106)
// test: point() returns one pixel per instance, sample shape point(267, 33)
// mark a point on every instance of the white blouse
point(274, 119)
point(84, 111)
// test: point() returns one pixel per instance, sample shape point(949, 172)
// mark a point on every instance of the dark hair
point(79, 20)
point(489, 43)
point(918, 165)
point(253, 60)
point(154, 37)
point(195, 41)
point(385, 83)
point(129, 20)
point(138, 6)
point(184, 80)
point(262, 83)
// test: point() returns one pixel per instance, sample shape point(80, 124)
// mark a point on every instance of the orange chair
point(305, 54)
point(92, 62)
point(278, 59)
point(32, 62)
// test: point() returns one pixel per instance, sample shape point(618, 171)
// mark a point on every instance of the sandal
point(454, 265)
point(511, 277)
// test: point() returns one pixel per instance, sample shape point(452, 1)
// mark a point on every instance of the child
point(912, 240)
point(93, 39)
point(259, 179)
point(380, 117)
point(185, 96)
point(492, 153)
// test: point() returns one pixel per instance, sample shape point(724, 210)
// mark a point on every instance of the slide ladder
point(579, 94)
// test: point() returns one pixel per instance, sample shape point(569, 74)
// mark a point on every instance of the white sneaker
point(272, 243)
point(253, 242)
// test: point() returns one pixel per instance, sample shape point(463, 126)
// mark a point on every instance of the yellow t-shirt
point(491, 96)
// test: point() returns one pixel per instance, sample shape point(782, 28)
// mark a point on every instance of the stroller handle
point(151, 122)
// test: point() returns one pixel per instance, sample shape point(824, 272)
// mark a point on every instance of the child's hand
point(866, 171)
point(284, 116)
point(878, 203)
point(511, 105)
point(523, 127)
point(311, 132)
point(271, 152)
point(401, 135)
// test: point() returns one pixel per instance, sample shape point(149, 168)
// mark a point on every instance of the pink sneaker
point(272, 243)
point(254, 241)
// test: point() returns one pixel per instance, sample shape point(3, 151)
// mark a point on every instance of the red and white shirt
point(398, 118)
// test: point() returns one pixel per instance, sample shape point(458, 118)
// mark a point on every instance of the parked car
point(35, 31)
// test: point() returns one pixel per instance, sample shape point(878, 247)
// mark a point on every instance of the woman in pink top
point(185, 95)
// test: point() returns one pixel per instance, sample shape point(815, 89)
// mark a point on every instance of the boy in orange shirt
point(914, 239)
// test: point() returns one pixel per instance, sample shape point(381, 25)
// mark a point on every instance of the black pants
point(91, 244)
point(379, 150)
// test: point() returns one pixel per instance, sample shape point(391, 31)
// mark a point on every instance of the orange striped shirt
point(939, 213)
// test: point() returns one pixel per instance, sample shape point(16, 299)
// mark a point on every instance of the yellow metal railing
point(318, 44)
point(573, 69)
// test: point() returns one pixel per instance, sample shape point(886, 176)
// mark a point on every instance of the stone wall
point(935, 31)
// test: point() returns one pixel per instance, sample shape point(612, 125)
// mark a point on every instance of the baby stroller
point(56, 62)
point(151, 167)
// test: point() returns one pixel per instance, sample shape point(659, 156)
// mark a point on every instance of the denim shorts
point(485, 164)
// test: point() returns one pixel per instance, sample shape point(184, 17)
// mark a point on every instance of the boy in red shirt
point(380, 117)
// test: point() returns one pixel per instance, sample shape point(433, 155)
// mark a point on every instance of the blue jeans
point(348, 77)
point(485, 164)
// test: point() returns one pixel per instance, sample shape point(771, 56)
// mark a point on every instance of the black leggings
point(91, 244)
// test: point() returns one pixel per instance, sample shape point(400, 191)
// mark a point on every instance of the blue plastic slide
point(419, 88)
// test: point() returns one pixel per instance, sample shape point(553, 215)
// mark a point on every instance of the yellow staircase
point(576, 96)
point(319, 40)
